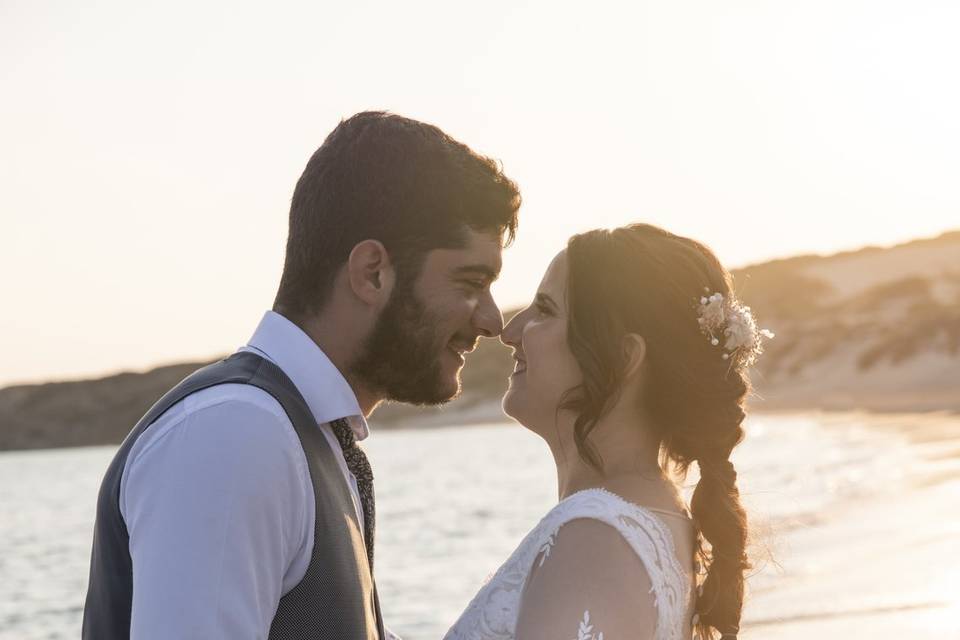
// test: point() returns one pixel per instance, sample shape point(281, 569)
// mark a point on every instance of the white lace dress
point(494, 611)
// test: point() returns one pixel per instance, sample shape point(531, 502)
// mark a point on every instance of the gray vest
point(335, 600)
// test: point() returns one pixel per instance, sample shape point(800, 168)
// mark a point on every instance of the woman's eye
point(543, 310)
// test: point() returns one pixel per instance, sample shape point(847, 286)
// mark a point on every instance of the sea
point(855, 527)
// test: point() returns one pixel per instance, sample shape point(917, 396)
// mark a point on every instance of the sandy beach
point(885, 565)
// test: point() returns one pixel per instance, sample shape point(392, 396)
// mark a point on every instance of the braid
point(717, 510)
point(722, 522)
point(647, 281)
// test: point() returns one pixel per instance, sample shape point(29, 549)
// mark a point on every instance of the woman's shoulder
point(598, 553)
point(589, 571)
point(596, 517)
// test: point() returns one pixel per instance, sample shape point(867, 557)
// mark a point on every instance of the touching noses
point(487, 318)
point(513, 332)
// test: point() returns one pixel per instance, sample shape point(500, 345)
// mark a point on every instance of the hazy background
point(148, 152)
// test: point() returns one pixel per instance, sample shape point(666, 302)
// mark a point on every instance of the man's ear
point(634, 353)
point(370, 272)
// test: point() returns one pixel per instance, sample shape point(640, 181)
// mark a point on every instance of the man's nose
point(487, 318)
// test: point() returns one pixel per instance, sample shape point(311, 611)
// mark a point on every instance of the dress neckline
point(623, 500)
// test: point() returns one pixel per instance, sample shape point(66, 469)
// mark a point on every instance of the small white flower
point(727, 319)
point(712, 313)
point(741, 331)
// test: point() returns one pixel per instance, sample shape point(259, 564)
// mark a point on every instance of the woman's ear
point(634, 353)
point(371, 273)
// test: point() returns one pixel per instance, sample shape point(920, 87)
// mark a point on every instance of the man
point(240, 505)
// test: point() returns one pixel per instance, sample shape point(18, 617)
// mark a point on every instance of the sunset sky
point(148, 151)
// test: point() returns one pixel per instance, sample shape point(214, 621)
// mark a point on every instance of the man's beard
point(401, 357)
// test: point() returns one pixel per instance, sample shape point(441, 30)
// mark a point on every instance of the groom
point(240, 506)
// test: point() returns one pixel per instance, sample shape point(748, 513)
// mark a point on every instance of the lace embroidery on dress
point(586, 629)
point(493, 612)
point(547, 547)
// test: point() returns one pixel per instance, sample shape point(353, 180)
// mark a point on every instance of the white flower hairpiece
point(733, 323)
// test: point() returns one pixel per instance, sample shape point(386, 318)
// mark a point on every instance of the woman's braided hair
point(644, 280)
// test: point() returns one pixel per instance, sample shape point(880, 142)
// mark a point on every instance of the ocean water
point(831, 502)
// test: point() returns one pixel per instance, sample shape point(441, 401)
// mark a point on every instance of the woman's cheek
point(564, 370)
point(546, 360)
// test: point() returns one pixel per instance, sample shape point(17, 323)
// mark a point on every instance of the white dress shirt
point(218, 501)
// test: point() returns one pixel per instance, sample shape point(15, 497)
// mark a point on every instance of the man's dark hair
point(384, 177)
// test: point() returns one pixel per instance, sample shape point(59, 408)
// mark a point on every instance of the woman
point(630, 361)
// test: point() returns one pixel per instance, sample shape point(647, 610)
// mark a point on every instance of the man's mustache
point(467, 345)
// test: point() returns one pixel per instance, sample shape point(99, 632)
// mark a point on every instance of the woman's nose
point(512, 332)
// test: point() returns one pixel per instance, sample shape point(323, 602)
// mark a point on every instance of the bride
point(631, 363)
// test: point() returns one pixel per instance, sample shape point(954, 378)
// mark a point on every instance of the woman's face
point(544, 368)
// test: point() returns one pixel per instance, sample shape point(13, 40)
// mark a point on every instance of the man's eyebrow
point(483, 269)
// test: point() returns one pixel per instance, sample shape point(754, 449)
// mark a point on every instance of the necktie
point(359, 466)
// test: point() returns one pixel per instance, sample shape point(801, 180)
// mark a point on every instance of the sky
point(148, 151)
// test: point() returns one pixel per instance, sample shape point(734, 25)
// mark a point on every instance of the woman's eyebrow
point(546, 299)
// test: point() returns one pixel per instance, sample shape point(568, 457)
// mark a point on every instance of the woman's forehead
point(555, 278)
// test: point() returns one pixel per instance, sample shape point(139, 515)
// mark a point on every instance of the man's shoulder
point(231, 397)
point(241, 414)
point(230, 442)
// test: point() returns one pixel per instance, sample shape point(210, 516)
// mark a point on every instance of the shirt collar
point(326, 391)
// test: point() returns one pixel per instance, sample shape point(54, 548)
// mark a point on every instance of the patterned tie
point(359, 466)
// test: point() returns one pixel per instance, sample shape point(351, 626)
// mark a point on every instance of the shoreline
point(883, 560)
point(918, 426)
point(492, 413)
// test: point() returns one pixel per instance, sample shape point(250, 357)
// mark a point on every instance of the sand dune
point(875, 329)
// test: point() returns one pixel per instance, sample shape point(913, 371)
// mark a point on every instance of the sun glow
point(149, 156)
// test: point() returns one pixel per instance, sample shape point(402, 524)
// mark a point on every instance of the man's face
point(415, 351)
